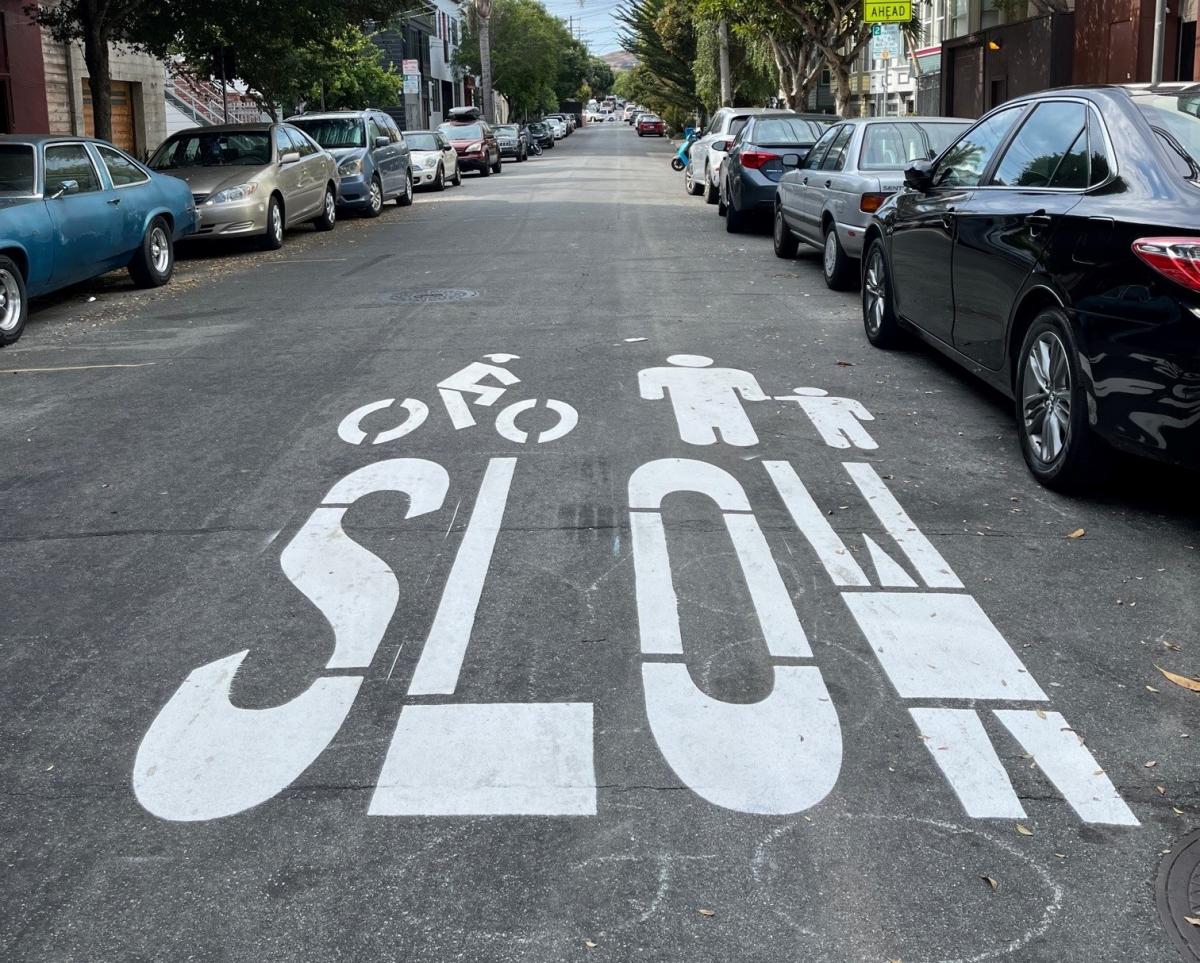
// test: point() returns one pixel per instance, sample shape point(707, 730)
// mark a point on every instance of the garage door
point(122, 114)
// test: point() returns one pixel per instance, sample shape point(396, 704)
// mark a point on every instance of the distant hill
point(619, 60)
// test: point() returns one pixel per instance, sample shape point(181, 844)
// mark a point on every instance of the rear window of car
point(785, 131)
point(462, 131)
point(1176, 120)
point(16, 170)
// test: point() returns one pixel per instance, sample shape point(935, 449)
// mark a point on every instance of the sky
point(594, 23)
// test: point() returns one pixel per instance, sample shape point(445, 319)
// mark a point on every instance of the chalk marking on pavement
point(963, 752)
point(77, 367)
point(446, 645)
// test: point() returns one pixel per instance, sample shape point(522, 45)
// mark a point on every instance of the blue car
point(374, 162)
point(73, 208)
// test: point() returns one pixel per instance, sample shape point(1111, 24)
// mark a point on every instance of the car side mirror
point(722, 144)
point(290, 157)
point(790, 160)
point(65, 187)
point(382, 141)
point(919, 175)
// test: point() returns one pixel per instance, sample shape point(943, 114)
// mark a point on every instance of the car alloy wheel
point(831, 254)
point(11, 302)
point(785, 243)
point(160, 249)
point(1046, 391)
point(875, 293)
point(407, 197)
point(376, 198)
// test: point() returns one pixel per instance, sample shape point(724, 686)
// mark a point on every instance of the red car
point(473, 140)
point(649, 124)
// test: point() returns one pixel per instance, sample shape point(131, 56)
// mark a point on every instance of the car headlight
point(232, 195)
point(474, 147)
point(350, 166)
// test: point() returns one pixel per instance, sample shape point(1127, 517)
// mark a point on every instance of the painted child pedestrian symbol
point(837, 420)
point(707, 400)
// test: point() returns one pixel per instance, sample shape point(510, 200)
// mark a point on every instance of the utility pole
point(1160, 29)
point(726, 78)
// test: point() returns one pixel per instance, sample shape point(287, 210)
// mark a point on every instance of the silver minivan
point(702, 174)
point(828, 198)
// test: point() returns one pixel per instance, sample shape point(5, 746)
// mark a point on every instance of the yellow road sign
point(892, 11)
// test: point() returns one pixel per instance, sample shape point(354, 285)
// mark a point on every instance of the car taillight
point(870, 203)
point(1175, 258)
point(755, 159)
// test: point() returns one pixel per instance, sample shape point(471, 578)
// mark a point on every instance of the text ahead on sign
point(898, 11)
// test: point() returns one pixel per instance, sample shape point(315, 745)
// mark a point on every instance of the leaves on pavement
point(1078, 533)
point(1024, 830)
point(1180, 680)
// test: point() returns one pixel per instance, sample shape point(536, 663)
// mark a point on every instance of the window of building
point(70, 162)
point(435, 96)
point(1054, 135)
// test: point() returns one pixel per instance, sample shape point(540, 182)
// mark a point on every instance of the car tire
point(735, 220)
point(836, 265)
point(786, 245)
point(439, 179)
point(498, 167)
point(272, 238)
point(405, 199)
point(326, 220)
point(14, 303)
point(879, 315)
point(1051, 399)
point(375, 203)
point(689, 182)
point(154, 261)
point(485, 171)
point(457, 176)
point(712, 193)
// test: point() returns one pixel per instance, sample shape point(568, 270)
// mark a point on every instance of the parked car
point(72, 208)
point(513, 141)
point(706, 153)
point(827, 199)
point(374, 165)
point(1054, 250)
point(633, 117)
point(566, 120)
point(557, 127)
point(651, 124)
point(753, 164)
point(252, 180)
point(626, 114)
point(542, 133)
point(474, 140)
point(434, 161)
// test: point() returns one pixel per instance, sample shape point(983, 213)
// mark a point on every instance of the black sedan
point(1054, 250)
point(541, 133)
point(754, 162)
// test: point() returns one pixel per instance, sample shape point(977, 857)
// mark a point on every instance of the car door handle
point(948, 219)
point(114, 200)
point(805, 181)
point(1037, 222)
point(828, 183)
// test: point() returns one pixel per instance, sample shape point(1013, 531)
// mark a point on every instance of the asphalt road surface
point(493, 582)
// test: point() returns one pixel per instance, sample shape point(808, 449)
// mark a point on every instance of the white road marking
point(204, 758)
point(781, 628)
point(938, 646)
point(830, 549)
point(962, 750)
point(76, 367)
point(1069, 765)
point(468, 381)
point(928, 561)
point(489, 760)
point(775, 757)
point(657, 604)
point(706, 400)
point(506, 421)
point(446, 646)
point(889, 571)
point(836, 419)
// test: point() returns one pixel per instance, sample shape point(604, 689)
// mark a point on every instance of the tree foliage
point(662, 35)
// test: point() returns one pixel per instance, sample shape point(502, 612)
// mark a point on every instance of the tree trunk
point(839, 75)
point(726, 75)
point(484, 9)
point(797, 66)
point(95, 56)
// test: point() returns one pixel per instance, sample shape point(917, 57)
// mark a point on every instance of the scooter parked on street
point(680, 160)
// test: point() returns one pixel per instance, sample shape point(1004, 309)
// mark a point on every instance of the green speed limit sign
point(895, 11)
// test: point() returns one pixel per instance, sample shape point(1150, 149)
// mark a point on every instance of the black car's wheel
point(499, 165)
point(712, 193)
point(405, 198)
point(836, 265)
point(375, 197)
point(154, 261)
point(785, 241)
point(879, 317)
point(735, 220)
point(439, 179)
point(272, 238)
point(14, 305)
point(328, 216)
point(485, 170)
point(690, 184)
point(1059, 447)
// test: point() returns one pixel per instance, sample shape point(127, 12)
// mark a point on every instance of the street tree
point(482, 10)
point(662, 35)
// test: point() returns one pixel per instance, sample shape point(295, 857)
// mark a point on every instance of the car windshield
point(421, 141)
point(334, 132)
point(786, 131)
point(462, 131)
point(1178, 116)
point(509, 129)
point(214, 149)
point(16, 170)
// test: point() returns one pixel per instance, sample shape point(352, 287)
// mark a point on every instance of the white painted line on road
point(76, 367)
point(1067, 763)
point(929, 563)
point(503, 759)
point(938, 646)
point(657, 604)
point(775, 757)
point(446, 646)
point(706, 400)
point(782, 631)
point(889, 571)
point(962, 750)
point(836, 419)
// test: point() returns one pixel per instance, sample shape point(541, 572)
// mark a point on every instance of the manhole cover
point(435, 296)
point(1178, 894)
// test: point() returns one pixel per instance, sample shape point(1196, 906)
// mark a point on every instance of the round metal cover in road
point(1178, 893)
point(434, 296)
